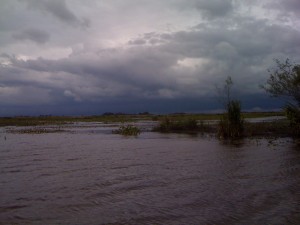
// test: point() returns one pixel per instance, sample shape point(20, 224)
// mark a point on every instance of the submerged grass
point(176, 123)
point(60, 120)
point(186, 125)
point(35, 131)
point(279, 128)
point(128, 130)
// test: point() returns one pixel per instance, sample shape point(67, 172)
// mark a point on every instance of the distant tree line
point(122, 113)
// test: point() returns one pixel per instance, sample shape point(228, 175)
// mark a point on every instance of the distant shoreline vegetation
point(120, 117)
point(171, 123)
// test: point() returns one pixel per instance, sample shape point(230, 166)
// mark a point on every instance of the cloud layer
point(98, 54)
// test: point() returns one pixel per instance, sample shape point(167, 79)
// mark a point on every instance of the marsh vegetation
point(127, 130)
point(231, 125)
point(36, 130)
point(172, 123)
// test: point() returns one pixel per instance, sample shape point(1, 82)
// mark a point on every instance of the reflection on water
point(90, 176)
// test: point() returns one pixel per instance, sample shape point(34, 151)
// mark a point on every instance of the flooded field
point(87, 175)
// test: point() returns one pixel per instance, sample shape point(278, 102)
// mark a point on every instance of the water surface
point(90, 176)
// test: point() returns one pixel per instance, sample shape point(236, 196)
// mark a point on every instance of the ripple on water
point(100, 178)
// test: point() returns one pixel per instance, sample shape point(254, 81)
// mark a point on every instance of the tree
point(284, 82)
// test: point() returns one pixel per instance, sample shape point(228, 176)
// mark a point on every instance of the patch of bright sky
point(191, 62)
point(119, 24)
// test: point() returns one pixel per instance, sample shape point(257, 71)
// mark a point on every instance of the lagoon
point(87, 175)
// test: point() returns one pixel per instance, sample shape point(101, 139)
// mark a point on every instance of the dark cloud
point(183, 60)
point(107, 68)
point(32, 34)
point(184, 64)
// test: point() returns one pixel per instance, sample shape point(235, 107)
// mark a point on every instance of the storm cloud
point(164, 53)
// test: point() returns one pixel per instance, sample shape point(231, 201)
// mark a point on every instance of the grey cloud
point(5, 55)
point(4, 59)
point(137, 42)
point(214, 8)
point(39, 64)
point(24, 95)
point(251, 38)
point(150, 39)
point(59, 9)
point(186, 64)
point(244, 52)
point(32, 34)
point(290, 6)
point(138, 72)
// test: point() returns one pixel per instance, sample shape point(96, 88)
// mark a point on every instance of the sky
point(74, 57)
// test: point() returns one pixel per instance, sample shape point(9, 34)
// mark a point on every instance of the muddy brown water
point(90, 176)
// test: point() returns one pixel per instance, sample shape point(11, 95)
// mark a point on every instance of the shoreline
point(261, 127)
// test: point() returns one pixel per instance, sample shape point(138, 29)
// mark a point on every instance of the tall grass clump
point(128, 130)
point(188, 125)
point(231, 125)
